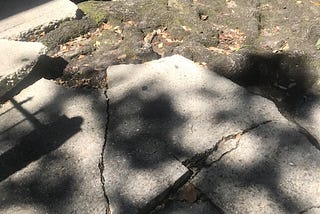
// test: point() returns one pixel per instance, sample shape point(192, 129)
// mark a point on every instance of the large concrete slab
point(185, 106)
point(50, 144)
point(19, 18)
point(274, 169)
point(16, 61)
point(163, 111)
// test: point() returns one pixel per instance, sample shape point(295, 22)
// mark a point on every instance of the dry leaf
point(123, 56)
point(81, 56)
point(150, 36)
point(190, 193)
point(204, 17)
point(160, 45)
point(106, 26)
point(315, 3)
point(186, 28)
point(238, 136)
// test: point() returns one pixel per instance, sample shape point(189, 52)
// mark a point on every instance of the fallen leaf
point(238, 136)
point(123, 56)
point(190, 193)
point(106, 26)
point(81, 56)
point(186, 28)
point(204, 17)
point(150, 36)
point(315, 3)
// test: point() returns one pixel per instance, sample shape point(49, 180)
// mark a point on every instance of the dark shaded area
point(39, 142)
point(143, 129)
point(285, 78)
point(46, 67)
point(41, 188)
point(11, 7)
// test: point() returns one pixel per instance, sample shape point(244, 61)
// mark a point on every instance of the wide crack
point(101, 160)
point(200, 160)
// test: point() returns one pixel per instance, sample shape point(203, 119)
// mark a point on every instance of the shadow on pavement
point(41, 141)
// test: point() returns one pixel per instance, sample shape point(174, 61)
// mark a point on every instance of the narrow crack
point(309, 208)
point(101, 160)
point(198, 161)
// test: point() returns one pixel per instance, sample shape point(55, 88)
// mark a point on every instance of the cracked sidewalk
point(170, 112)
point(154, 133)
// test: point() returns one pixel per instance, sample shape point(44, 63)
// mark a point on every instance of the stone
point(16, 61)
point(18, 18)
point(273, 169)
point(51, 139)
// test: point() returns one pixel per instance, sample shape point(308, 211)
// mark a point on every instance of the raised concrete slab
point(50, 144)
point(174, 108)
point(181, 104)
point(274, 169)
point(19, 18)
point(16, 61)
point(165, 110)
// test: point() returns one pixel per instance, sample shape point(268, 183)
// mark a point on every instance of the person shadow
point(39, 142)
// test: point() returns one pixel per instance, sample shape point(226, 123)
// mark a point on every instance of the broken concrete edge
point(195, 164)
point(9, 81)
point(169, 191)
point(21, 31)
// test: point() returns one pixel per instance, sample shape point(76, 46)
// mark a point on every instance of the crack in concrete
point(101, 160)
point(309, 208)
point(307, 134)
point(198, 161)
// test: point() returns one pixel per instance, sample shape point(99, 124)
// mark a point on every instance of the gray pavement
point(51, 140)
point(18, 18)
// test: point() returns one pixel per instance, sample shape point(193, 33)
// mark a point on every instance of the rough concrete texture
point(16, 61)
point(180, 207)
point(21, 17)
point(274, 169)
point(166, 109)
point(181, 104)
point(51, 139)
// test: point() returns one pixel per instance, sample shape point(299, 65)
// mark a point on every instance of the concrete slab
point(273, 169)
point(50, 144)
point(16, 61)
point(186, 107)
point(19, 18)
point(165, 110)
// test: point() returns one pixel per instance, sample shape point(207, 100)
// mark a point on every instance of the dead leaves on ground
point(230, 40)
